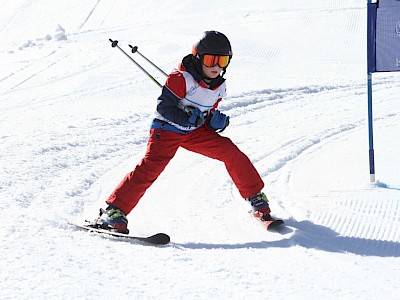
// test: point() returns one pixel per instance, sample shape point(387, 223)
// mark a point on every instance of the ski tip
point(275, 225)
point(161, 238)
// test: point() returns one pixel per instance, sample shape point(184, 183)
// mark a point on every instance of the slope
point(75, 116)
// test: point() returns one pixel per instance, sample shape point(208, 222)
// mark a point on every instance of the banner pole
point(370, 118)
point(370, 131)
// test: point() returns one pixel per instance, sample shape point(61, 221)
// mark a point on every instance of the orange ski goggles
point(213, 60)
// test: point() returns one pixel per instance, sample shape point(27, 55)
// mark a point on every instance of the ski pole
point(135, 49)
point(115, 44)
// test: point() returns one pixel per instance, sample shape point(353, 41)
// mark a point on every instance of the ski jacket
point(183, 91)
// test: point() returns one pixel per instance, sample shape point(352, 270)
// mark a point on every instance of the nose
point(217, 68)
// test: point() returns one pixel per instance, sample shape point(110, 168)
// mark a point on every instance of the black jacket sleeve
point(168, 107)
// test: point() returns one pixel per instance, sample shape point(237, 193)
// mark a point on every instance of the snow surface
point(74, 119)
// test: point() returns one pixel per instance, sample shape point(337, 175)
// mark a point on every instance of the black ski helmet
point(212, 42)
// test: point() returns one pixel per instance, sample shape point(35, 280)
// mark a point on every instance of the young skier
point(187, 116)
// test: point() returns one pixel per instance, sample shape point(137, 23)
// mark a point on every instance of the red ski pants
point(161, 148)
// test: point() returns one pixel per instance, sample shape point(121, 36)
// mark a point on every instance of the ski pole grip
point(113, 43)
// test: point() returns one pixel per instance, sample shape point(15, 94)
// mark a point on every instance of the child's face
point(211, 72)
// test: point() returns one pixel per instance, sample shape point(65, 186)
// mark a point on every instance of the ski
point(270, 223)
point(156, 239)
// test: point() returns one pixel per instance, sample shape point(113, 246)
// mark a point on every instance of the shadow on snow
point(312, 236)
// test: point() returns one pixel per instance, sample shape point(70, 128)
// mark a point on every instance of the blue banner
point(385, 50)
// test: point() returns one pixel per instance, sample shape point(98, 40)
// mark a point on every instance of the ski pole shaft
point(115, 44)
point(135, 50)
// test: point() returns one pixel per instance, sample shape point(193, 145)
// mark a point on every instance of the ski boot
point(113, 219)
point(261, 211)
point(260, 206)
